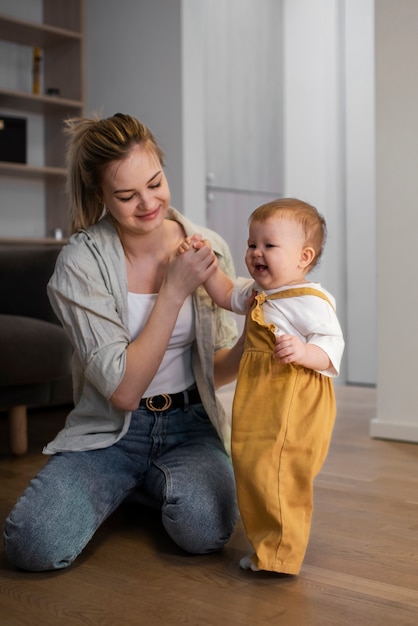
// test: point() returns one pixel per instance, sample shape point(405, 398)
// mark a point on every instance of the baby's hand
point(184, 246)
point(289, 349)
point(195, 241)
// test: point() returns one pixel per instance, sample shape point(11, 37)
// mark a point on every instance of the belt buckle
point(149, 402)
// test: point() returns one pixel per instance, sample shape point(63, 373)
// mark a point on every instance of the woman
point(150, 348)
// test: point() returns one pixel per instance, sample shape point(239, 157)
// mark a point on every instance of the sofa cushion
point(32, 351)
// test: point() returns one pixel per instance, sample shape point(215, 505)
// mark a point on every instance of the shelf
point(32, 241)
point(36, 103)
point(31, 34)
point(60, 35)
point(28, 171)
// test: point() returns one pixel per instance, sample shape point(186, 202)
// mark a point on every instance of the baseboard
point(394, 431)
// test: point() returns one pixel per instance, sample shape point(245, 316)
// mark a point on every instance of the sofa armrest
point(25, 270)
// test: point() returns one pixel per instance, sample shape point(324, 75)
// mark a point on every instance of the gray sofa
point(35, 353)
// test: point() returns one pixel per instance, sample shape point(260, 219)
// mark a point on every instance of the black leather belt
point(165, 401)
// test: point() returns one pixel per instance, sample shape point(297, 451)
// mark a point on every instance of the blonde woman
point(149, 350)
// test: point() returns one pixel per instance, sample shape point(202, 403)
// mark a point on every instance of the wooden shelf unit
point(61, 38)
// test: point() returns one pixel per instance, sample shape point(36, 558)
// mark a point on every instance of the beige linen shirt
point(89, 293)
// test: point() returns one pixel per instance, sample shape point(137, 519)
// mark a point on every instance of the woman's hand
point(194, 241)
point(188, 269)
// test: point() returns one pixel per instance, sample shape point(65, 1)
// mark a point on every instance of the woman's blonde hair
point(93, 143)
point(313, 223)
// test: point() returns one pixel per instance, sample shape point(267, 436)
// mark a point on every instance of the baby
point(284, 404)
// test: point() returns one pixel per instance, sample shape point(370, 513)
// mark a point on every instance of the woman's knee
point(200, 526)
point(29, 546)
point(42, 533)
point(57, 514)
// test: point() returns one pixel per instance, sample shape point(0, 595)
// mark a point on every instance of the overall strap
point(299, 291)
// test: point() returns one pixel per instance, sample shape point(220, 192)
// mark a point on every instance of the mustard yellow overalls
point(282, 421)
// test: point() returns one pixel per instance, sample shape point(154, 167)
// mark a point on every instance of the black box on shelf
point(12, 139)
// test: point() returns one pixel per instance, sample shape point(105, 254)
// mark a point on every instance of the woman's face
point(135, 191)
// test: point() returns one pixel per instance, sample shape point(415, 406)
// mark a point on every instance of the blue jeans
point(175, 456)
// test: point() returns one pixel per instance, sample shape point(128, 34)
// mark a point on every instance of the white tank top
point(175, 371)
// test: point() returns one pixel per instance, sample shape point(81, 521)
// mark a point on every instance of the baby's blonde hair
point(312, 222)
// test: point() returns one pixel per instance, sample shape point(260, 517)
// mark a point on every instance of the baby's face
point(275, 253)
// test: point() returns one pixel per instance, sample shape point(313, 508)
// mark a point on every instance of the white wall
point(358, 73)
point(312, 131)
point(313, 127)
point(329, 155)
point(193, 112)
point(397, 213)
point(133, 54)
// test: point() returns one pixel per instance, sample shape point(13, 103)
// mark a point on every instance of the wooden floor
point(361, 567)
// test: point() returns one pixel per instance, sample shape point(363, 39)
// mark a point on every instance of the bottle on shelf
point(37, 71)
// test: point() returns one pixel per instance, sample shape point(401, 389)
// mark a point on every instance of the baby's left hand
point(289, 349)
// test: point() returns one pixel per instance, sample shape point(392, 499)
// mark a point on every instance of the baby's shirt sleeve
point(243, 288)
